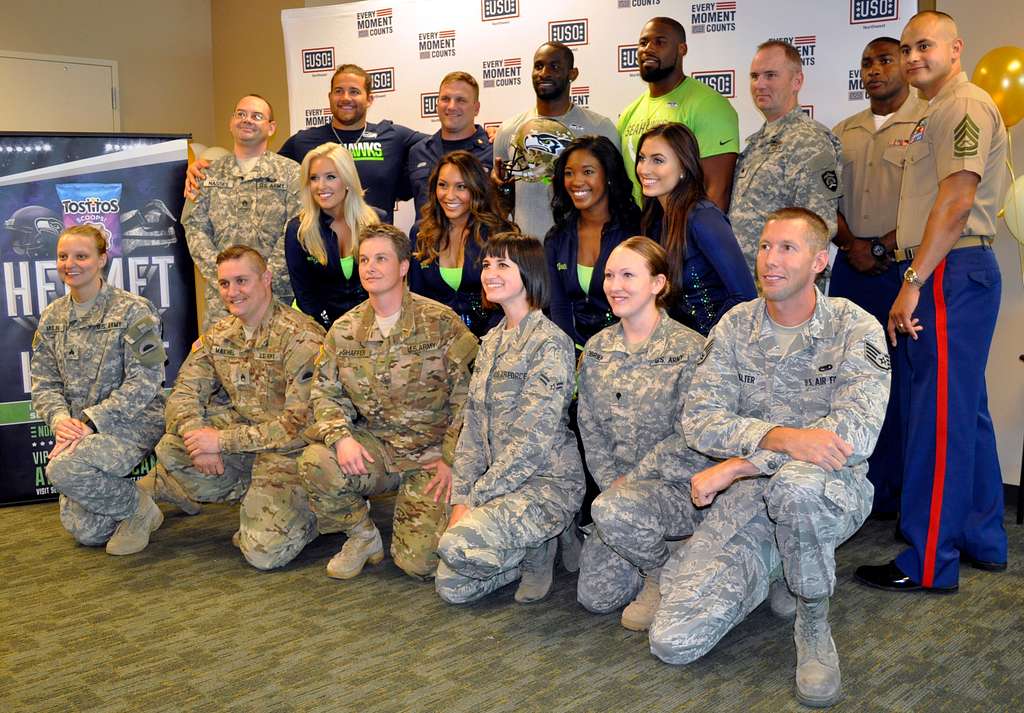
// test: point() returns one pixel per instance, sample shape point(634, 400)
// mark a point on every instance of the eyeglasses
point(242, 115)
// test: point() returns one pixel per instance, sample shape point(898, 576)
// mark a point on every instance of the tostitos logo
point(318, 59)
point(722, 81)
point(569, 32)
point(382, 80)
point(491, 10)
point(373, 23)
point(867, 11)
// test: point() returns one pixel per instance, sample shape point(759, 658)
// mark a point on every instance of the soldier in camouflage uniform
point(247, 198)
point(97, 373)
point(236, 415)
point(791, 392)
point(790, 161)
point(517, 481)
point(390, 386)
point(633, 380)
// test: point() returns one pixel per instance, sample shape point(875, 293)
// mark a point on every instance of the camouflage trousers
point(339, 501)
point(631, 525)
point(797, 517)
point(275, 520)
point(481, 553)
point(95, 493)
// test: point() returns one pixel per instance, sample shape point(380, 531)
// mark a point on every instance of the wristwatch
point(878, 249)
point(911, 278)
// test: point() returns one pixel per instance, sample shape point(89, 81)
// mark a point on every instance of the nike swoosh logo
point(723, 143)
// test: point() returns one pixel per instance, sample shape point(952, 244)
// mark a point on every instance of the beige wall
point(162, 49)
point(1000, 24)
point(248, 56)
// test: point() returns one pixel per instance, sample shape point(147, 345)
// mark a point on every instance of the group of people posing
point(595, 315)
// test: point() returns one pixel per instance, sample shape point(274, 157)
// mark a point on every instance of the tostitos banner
point(408, 46)
point(130, 186)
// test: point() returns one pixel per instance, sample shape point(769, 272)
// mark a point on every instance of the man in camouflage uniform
point(791, 392)
point(237, 412)
point(104, 369)
point(790, 161)
point(390, 385)
point(247, 198)
point(630, 417)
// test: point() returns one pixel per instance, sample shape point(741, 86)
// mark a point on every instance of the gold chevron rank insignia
point(965, 138)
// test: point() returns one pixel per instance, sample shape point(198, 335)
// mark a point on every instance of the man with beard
point(458, 103)
point(874, 143)
point(553, 72)
point(671, 96)
point(380, 150)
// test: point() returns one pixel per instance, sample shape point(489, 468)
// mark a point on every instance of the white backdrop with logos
point(408, 45)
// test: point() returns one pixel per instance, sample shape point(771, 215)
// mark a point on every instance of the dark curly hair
point(484, 210)
point(621, 206)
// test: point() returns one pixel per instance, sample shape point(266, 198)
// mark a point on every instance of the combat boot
point(639, 614)
point(132, 533)
point(165, 489)
point(818, 683)
point(570, 545)
point(537, 569)
point(363, 545)
point(782, 601)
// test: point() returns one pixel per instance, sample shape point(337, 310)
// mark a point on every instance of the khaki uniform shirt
point(407, 389)
point(264, 381)
point(107, 365)
point(873, 166)
point(631, 404)
point(834, 376)
point(960, 131)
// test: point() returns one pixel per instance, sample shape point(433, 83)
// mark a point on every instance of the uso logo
point(626, 61)
point(491, 10)
point(318, 59)
point(428, 105)
point(864, 11)
point(722, 81)
point(808, 109)
point(568, 32)
point(382, 80)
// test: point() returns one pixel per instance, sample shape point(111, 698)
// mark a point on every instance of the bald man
point(943, 318)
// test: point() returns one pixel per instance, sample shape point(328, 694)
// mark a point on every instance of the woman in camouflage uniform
point(97, 374)
point(517, 480)
point(632, 384)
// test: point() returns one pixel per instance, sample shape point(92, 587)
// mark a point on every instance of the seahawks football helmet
point(34, 230)
point(536, 145)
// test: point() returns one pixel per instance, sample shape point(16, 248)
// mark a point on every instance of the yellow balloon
point(1001, 73)
point(1013, 209)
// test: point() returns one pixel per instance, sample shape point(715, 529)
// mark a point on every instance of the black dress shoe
point(891, 578)
point(982, 564)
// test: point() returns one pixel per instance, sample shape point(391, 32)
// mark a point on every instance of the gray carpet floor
point(186, 625)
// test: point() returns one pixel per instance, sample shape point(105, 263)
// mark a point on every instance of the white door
point(50, 93)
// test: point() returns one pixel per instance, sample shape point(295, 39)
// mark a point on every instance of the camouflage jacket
point(243, 209)
point(791, 162)
point(835, 377)
point(516, 428)
point(263, 381)
point(407, 389)
point(631, 405)
point(107, 365)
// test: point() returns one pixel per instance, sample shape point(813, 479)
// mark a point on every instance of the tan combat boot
point(132, 533)
point(818, 683)
point(639, 614)
point(165, 489)
point(363, 545)
point(537, 569)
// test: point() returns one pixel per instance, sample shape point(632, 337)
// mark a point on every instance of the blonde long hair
point(357, 214)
